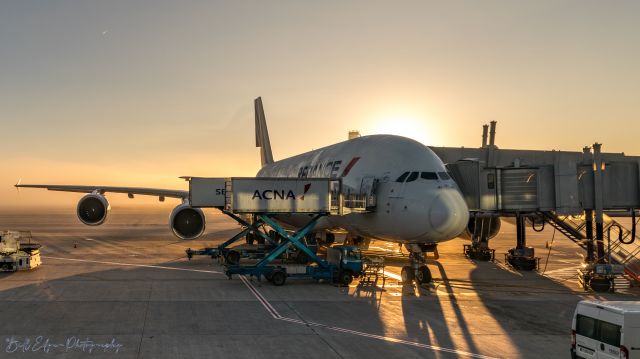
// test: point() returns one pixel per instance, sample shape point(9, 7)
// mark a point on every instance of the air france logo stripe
point(350, 166)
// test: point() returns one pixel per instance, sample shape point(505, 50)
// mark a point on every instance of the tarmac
point(126, 289)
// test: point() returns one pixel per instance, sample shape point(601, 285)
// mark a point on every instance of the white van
point(602, 329)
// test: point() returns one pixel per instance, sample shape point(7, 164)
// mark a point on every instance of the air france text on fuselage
point(329, 169)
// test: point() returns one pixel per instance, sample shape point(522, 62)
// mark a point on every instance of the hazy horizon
point(138, 93)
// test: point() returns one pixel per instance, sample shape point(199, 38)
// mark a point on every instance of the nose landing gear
point(418, 270)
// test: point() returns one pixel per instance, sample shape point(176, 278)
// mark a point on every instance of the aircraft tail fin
point(262, 135)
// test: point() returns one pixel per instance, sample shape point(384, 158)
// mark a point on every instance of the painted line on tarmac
point(265, 303)
point(274, 313)
point(133, 265)
point(392, 276)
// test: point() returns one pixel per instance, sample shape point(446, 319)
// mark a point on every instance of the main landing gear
point(418, 270)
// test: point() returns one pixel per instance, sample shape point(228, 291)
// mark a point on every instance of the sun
point(411, 125)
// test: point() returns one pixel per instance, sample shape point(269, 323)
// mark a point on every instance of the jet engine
point(485, 226)
point(93, 209)
point(187, 222)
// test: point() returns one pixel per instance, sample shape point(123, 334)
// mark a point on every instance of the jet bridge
point(568, 190)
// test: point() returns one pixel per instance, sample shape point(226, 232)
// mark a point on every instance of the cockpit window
point(429, 175)
point(413, 176)
point(402, 177)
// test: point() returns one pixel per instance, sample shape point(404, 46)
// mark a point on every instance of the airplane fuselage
point(417, 202)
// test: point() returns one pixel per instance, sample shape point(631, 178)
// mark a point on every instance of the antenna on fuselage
point(262, 134)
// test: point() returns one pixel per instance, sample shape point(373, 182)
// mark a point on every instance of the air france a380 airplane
point(418, 204)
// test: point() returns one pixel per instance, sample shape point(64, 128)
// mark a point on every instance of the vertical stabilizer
point(262, 135)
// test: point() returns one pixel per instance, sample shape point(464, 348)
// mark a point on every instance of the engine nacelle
point(187, 222)
point(93, 209)
point(485, 226)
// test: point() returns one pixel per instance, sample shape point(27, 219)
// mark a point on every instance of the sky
point(138, 93)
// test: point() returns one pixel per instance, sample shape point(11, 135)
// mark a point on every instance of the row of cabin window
point(412, 176)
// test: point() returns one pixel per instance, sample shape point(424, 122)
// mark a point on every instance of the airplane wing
point(104, 189)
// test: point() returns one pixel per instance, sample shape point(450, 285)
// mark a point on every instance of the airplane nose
point(448, 213)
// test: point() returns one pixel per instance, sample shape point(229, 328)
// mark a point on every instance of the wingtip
point(18, 185)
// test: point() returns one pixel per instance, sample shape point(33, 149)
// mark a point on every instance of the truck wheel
point(600, 285)
point(278, 277)
point(346, 278)
point(407, 275)
point(232, 257)
point(424, 275)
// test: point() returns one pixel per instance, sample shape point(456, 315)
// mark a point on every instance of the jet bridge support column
point(521, 257)
point(598, 167)
point(596, 274)
point(588, 160)
point(521, 237)
point(589, 231)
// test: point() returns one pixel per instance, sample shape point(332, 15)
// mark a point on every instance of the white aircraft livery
point(417, 203)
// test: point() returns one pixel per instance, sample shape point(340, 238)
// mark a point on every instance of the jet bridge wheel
point(407, 275)
point(600, 284)
point(423, 275)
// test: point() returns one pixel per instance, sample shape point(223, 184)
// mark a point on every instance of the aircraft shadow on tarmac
point(528, 314)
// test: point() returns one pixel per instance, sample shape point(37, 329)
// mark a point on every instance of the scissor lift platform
point(263, 199)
